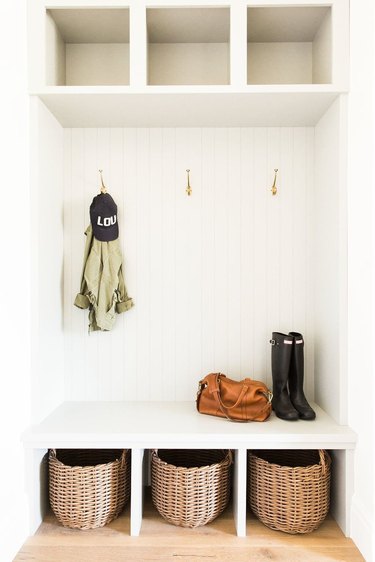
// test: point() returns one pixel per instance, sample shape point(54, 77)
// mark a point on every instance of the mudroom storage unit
point(213, 274)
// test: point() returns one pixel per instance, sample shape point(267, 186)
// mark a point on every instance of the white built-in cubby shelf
point(142, 426)
point(188, 46)
point(86, 47)
point(216, 63)
point(230, 89)
point(289, 45)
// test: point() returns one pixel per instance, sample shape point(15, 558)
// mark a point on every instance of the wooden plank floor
point(162, 542)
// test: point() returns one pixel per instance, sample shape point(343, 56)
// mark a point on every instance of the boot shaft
point(297, 364)
point(296, 379)
point(281, 354)
point(282, 345)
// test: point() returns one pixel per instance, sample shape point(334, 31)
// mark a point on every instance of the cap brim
point(106, 234)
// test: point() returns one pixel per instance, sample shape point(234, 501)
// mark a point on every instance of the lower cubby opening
point(161, 541)
point(111, 425)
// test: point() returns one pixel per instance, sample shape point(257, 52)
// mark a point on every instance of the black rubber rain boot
point(296, 376)
point(282, 346)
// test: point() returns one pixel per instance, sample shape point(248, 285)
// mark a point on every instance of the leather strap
point(215, 391)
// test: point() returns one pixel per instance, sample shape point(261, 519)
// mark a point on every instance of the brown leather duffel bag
point(245, 400)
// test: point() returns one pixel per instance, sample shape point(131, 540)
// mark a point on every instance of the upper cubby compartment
point(86, 47)
point(289, 45)
point(188, 46)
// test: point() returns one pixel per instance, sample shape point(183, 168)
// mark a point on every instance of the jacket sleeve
point(125, 302)
point(82, 300)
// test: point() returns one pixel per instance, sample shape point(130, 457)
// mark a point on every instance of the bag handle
point(217, 395)
point(216, 390)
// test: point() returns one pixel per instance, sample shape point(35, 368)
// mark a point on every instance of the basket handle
point(323, 460)
point(123, 457)
point(230, 455)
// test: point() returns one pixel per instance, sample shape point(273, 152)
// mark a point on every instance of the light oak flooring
point(162, 542)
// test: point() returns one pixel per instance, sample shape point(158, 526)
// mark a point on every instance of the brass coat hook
point(274, 188)
point(188, 189)
point(103, 188)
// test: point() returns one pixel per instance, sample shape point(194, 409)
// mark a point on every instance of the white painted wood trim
point(362, 528)
point(343, 259)
point(138, 45)
point(36, 22)
point(340, 44)
point(239, 491)
point(238, 45)
point(36, 474)
point(137, 492)
point(178, 425)
point(342, 488)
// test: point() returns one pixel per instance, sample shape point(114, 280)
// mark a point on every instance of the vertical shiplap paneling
point(301, 293)
point(211, 275)
point(299, 265)
point(233, 206)
point(188, 290)
point(90, 188)
point(275, 240)
point(193, 204)
point(207, 303)
point(103, 341)
point(260, 181)
point(156, 259)
point(220, 288)
point(70, 284)
point(247, 209)
point(76, 376)
point(168, 266)
point(144, 374)
point(129, 247)
point(115, 180)
point(182, 255)
point(309, 305)
point(285, 285)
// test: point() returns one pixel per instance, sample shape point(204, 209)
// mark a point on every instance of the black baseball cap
point(103, 216)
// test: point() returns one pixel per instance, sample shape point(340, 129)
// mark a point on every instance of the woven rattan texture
point(289, 490)
point(190, 487)
point(88, 488)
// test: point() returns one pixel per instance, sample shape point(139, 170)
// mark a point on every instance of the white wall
point(55, 54)
point(211, 275)
point(279, 63)
point(322, 52)
point(188, 63)
point(97, 64)
point(15, 277)
point(47, 256)
point(329, 264)
point(361, 233)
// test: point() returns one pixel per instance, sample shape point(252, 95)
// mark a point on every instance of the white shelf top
point(184, 106)
point(177, 425)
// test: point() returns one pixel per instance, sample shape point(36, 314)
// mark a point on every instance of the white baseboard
point(362, 529)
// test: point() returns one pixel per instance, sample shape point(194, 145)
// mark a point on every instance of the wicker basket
point(288, 490)
point(88, 488)
point(190, 487)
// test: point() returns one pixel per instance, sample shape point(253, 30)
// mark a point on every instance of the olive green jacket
point(103, 288)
